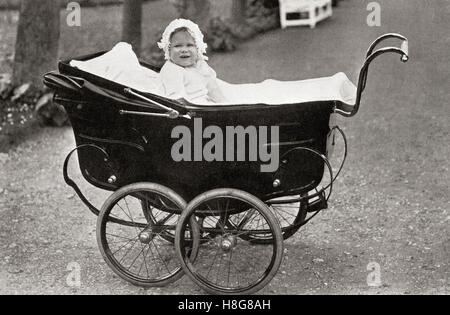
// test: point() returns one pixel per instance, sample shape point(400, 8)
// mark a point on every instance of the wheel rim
point(155, 216)
point(227, 263)
point(289, 215)
point(139, 252)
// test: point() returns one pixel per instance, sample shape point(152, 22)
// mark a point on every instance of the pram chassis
point(112, 158)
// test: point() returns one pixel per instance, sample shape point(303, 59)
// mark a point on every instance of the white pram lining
point(121, 65)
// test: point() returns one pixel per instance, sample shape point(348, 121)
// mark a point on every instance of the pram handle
point(403, 51)
point(403, 47)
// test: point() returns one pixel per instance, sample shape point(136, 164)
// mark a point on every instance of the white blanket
point(122, 66)
point(337, 87)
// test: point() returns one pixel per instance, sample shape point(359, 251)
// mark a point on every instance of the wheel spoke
point(151, 262)
point(227, 260)
point(160, 257)
point(126, 253)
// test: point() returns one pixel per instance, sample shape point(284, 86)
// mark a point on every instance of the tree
point(238, 9)
point(197, 11)
point(37, 41)
point(132, 24)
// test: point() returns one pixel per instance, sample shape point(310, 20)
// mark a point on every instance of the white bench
point(304, 12)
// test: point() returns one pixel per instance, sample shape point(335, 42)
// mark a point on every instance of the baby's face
point(183, 50)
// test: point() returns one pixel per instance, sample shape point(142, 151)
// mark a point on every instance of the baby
point(186, 73)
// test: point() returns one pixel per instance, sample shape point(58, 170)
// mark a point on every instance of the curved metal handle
point(403, 51)
point(72, 184)
point(405, 48)
point(404, 45)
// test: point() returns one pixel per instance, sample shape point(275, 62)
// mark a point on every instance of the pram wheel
point(227, 263)
point(289, 216)
point(142, 251)
point(155, 216)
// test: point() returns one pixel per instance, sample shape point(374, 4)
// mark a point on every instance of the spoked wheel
point(140, 251)
point(157, 212)
point(227, 263)
point(289, 215)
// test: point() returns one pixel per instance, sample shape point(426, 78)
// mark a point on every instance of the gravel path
point(390, 208)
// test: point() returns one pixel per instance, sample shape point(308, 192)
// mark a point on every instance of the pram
point(229, 237)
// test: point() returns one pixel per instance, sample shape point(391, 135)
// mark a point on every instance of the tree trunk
point(132, 24)
point(238, 11)
point(197, 11)
point(37, 41)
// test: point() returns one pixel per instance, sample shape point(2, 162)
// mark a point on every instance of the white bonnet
point(193, 30)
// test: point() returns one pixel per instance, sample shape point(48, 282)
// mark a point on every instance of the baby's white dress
point(190, 83)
